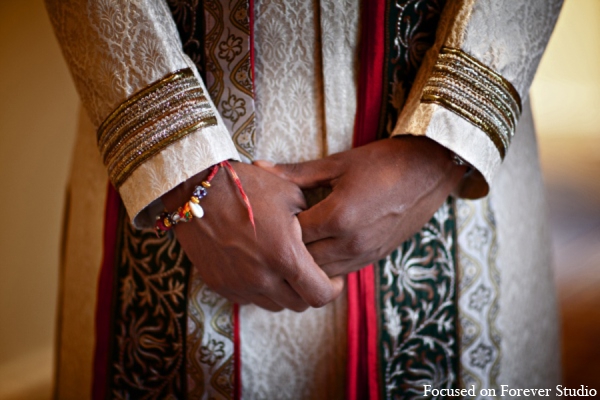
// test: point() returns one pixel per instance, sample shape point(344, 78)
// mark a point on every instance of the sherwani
point(281, 83)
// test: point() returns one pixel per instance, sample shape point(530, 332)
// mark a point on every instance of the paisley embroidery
point(150, 300)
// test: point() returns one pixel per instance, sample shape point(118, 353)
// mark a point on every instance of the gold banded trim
point(470, 89)
point(149, 121)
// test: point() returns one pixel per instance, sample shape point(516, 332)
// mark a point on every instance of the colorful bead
point(191, 209)
point(160, 226)
point(197, 210)
point(199, 192)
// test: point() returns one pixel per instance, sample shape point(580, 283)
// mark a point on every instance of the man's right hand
point(273, 269)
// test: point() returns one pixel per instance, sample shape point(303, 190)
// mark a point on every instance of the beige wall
point(37, 123)
point(566, 91)
point(566, 100)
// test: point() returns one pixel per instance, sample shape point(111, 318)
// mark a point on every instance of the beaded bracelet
point(166, 221)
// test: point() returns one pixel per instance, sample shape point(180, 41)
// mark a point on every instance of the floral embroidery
point(481, 355)
point(413, 24)
point(229, 70)
point(233, 108)
point(149, 327)
point(230, 48)
point(416, 296)
point(478, 238)
point(480, 297)
point(212, 352)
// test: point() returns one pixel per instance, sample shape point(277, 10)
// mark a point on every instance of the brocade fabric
point(508, 37)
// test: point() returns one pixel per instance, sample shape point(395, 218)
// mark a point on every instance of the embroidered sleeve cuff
point(159, 138)
point(488, 108)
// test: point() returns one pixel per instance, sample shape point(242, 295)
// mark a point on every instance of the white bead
point(197, 210)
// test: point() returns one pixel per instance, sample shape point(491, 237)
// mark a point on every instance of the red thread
point(238, 183)
point(213, 172)
point(104, 294)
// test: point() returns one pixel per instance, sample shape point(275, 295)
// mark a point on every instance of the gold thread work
point(151, 120)
point(470, 89)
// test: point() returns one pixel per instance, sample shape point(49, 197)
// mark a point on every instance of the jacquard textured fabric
point(507, 37)
point(305, 84)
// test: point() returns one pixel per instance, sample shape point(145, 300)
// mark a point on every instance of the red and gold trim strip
point(151, 120)
point(470, 89)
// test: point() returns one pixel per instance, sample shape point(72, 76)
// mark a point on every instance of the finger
point(306, 175)
point(236, 299)
point(314, 222)
point(264, 302)
point(343, 267)
point(231, 296)
point(326, 219)
point(310, 282)
point(287, 298)
point(326, 251)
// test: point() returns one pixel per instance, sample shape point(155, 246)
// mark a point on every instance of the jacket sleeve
point(470, 89)
point(156, 125)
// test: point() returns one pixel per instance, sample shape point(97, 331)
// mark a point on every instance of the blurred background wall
point(566, 103)
point(38, 108)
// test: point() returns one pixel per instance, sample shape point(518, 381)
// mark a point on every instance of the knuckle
point(257, 284)
point(299, 308)
point(271, 307)
point(293, 169)
point(357, 245)
point(321, 298)
point(294, 276)
point(341, 220)
point(336, 224)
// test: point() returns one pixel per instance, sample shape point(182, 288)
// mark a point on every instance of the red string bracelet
point(166, 221)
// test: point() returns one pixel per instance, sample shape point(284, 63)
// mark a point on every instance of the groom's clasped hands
point(381, 194)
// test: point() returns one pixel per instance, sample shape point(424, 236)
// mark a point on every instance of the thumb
point(306, 175)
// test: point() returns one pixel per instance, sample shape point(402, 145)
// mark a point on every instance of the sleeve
point(156, 125)
point(469, 91)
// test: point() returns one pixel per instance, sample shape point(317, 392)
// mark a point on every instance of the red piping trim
point(104, 295)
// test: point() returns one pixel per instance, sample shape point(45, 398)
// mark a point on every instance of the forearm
point(157, 126)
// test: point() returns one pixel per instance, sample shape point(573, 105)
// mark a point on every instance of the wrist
point(438, 161)
point(185, 202)
point(182, 192)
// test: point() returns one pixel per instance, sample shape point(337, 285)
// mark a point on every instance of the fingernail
point(264, 163)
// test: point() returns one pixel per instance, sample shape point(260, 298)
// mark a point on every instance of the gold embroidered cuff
point(472, 90)
point(151, 120)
